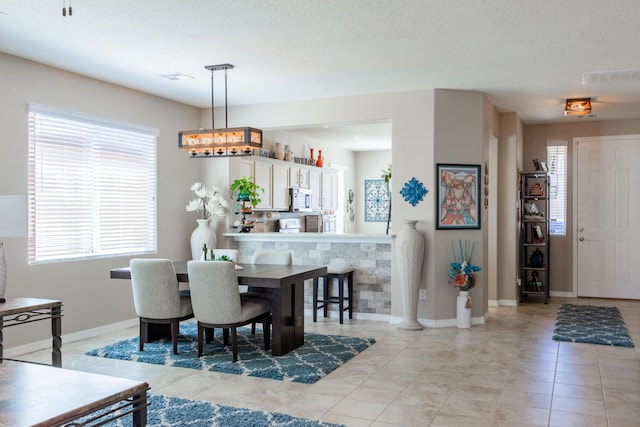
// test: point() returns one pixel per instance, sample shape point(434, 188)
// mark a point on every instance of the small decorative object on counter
point(279, 151)
point(312, 161)
point(288, 154)
point(320, 160)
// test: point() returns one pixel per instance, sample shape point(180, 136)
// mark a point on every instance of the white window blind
point(557, 163)
point(92, 186)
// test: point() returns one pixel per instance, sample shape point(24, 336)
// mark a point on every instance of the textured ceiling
point(526, 56)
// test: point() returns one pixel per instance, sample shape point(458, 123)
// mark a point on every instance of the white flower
point(211, 202)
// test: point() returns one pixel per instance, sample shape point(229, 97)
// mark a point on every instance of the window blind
point(557, 163)
point(91, 186)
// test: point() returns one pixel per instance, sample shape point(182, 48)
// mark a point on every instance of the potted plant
point(247, 190)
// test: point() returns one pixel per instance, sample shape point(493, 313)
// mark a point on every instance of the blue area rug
point(320, 354)
point(166, 411)
point(592, 325)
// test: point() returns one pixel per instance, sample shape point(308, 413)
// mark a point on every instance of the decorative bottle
point(320, 160)
point(312, 161)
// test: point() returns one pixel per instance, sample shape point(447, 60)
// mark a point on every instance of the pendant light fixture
point(577, 107)
point(223, 142)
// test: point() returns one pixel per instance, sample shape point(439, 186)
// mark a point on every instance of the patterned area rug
point(592, 325)
point(320, 354)
point(166, 411)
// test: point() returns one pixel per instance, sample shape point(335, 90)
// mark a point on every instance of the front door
point(608, 216)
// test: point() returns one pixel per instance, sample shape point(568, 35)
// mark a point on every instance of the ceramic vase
point(312, 161)
point(3, 273)
point(409, 249)
point(279, 151)
point(288, 154)
point(463, 310)
point(320, 160)
point(203, 234)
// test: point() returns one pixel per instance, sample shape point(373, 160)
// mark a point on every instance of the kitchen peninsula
point(369, 255)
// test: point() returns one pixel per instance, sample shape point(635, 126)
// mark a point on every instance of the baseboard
point(443, 323)
point(359, 316)
point(508, 303)
point(494, 303)
point(45, 344)
point(563, 294)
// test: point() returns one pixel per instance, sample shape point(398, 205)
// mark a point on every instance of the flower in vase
point(461, 271)
point(210, 201)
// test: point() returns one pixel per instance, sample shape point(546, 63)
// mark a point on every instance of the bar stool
point(342, 274)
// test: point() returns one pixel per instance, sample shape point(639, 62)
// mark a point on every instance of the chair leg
point(234, 343)
point(175, 329)
point(325, 295)
point(341, 297)
point(209, 333)
point(200, 333)
point(266, 326)
point(253, 328)
point(350, 292)
point(225, 334)
point(315, 299)
point(143, 333)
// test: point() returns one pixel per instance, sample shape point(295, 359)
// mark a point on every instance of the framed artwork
point(376, 200)
point(458, 193)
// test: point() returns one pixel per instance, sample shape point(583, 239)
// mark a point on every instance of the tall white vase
point(410, 244)
point(201, 235)
point(463, 310)
point(3, 273)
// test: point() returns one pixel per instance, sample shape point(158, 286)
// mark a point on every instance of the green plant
point(247, 190)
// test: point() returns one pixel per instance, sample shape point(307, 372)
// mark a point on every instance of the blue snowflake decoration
point(413, 191)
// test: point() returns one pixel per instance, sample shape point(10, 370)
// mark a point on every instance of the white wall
point(90, 298)
point(369, 165)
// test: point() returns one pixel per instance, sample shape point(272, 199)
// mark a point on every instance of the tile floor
point(507, 372)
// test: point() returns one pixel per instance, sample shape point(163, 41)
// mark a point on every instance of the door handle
point(581, 239)
point(581, 229)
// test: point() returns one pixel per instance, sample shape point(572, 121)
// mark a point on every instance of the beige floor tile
point(578, 406)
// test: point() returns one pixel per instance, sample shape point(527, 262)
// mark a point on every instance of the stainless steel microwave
point(300, 199)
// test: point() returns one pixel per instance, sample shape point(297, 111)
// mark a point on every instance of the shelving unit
point(534, 235)
point(244, 208)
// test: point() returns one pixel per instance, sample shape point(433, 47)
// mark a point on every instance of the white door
point(608, 216)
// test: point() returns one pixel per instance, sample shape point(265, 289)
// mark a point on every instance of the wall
point(90, 298)
point(368, 165)
point(535, 146)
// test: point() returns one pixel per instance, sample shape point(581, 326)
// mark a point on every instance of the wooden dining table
point(283, 285)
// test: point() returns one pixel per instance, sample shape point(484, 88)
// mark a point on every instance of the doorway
point(607, 203)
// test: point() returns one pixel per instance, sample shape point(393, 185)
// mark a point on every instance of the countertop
point(311, 237)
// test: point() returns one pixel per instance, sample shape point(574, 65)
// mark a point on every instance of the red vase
point(312, 161)
point(320, 160)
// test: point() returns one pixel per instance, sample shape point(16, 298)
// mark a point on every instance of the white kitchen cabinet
point(315, 185)
point(263, 177)
point(280, 186)
point(329, 191)
point(299, 176)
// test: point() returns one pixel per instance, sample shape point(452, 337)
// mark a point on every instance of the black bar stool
point(342, 274)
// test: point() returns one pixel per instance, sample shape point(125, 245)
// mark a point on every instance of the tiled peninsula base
point(369, 255)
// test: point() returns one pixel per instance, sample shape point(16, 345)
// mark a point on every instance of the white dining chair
point(217, 303)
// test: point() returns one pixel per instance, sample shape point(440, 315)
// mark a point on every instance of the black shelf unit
point(534, 236)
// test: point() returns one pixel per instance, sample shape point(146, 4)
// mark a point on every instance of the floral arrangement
point(209, 202)
point(461, 270)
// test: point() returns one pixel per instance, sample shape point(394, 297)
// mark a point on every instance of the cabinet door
point(315, 185)
point(329, 190)
point(280, 187)
point(299, 177)
point(263, 177)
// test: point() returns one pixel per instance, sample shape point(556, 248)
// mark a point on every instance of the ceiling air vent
point(610, 77)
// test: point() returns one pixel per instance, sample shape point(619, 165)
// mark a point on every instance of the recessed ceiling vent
point(610, 77)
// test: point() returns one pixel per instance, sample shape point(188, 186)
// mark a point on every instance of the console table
point(18, 311)
point(40, 395)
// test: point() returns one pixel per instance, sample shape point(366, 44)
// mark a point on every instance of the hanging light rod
point(223, 142)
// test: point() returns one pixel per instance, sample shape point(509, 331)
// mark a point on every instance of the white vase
point(203, 234)
point(278, 151)
point(3, 273)
point(463, 310)
point(409, 248)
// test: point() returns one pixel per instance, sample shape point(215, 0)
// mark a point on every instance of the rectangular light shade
point(227, 142)
point(12, 216)
point(577, 107)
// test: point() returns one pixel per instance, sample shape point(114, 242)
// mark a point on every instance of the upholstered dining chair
point(266, 257)
point(232, 254)
point(156, 297)
point(217, 303)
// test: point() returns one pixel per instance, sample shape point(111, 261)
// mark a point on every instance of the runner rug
point(592, 325)
point(320, 354)
point(166, 411)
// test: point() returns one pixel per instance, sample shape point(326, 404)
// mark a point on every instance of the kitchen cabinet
point(315, 185)
point(263, 176)
point(329, 193)
point(280, 186)
point(298, 176)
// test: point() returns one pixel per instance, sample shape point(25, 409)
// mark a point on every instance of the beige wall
point(535, 146)
point(90, 298)
point(369, 165)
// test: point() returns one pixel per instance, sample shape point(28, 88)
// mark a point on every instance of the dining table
point(283, 285)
